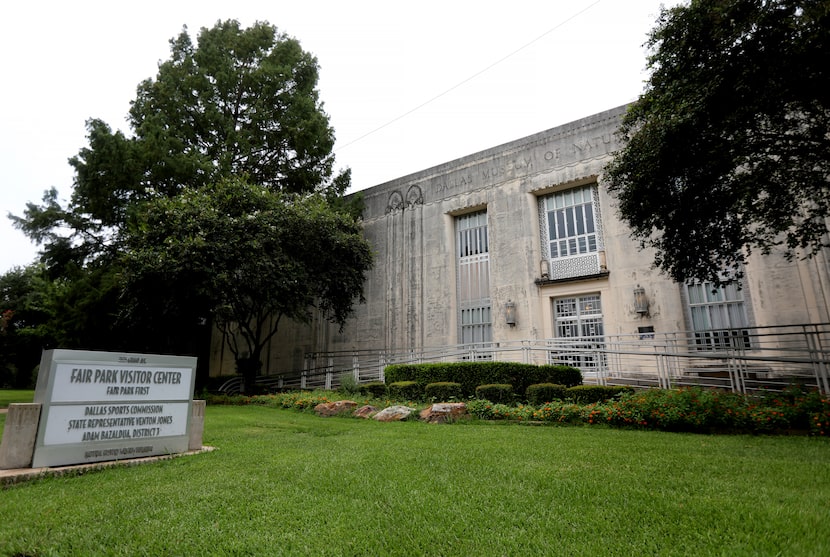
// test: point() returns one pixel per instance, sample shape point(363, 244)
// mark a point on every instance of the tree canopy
point(24, 314)
point(727, 151)
point(243, 102)
point(239, 106)
point(247, 255)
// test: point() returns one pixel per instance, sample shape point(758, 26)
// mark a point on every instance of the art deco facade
point(522, 242)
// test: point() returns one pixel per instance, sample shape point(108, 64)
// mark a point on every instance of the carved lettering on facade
point(594, 144)
point(463, 181)
point(553, 155)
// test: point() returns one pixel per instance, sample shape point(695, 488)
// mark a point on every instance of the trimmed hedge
point(589, 394)
point(498, 393)
point(442, 391)
point(472, 374)
point(540, 393)
point(405, 390)
point(375, 389)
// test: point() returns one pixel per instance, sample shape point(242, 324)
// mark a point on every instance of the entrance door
point(579, 332)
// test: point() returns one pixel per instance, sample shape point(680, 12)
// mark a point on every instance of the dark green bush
point(374, 389)
point(472, 374)
point(442, 391)
point(560, 375)
point(541, 393)
point(497, 393)
point(221, 399)
point(405, 390)
point(589, 394)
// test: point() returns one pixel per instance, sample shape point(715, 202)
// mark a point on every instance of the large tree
point(25, 307)
point(727, 151)
point(248, 256)
point(240, 102)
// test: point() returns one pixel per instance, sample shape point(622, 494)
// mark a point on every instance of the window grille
point(718, 316)
point(571, 231)
point(579, 332)
point(473, 290)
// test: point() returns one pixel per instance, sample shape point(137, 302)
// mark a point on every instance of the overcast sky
point(407, 85)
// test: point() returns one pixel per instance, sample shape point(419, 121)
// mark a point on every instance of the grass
point(7, 396)
point(283, 482)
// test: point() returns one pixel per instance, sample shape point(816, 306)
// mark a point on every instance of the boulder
point(394, 414)
point(443, 412)
point(365, 412)
point(327, 409)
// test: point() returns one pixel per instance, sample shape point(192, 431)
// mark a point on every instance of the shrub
point(482, 409)
point(541, 393)
point(472, 374)
point(559, 412)
point(374, 389)
point(348, 384)
point(560, 375)
point(442, 391)
point(405, 390)
point(704, 411)
point(486, 410)
point(497, 392)
point(220, 399)
point(820, 420)
point(797, 405)
point(301, 400)
point(589, 394)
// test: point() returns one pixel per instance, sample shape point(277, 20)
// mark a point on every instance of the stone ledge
point(18, 475)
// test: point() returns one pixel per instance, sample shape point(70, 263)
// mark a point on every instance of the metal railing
point(740, 360)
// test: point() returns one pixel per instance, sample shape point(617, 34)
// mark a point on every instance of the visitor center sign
point(98, 406)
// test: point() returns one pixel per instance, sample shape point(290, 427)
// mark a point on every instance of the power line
point(467, 80)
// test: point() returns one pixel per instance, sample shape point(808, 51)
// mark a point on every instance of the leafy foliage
point(442, 391)
point(495, 392)
point(249, 256)
point(472, 374)
point(540, 393)
point(727, 150)
point(405, 390)
point(25, 310)
point(586, 394)
point(240, 104)
point(373, 389)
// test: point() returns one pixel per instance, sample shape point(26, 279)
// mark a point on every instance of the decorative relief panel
point(573, 267)
point(395, 203)
point(414, 196)
point(598, 219)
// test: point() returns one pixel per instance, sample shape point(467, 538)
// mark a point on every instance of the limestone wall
point(411, 292)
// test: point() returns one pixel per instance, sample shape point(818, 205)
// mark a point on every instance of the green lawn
point(288, 483)
point(7, 396)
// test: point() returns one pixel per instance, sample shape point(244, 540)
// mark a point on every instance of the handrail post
point(818, 364)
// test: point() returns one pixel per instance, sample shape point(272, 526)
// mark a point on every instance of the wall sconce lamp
point(640, 300)
point(544, 269)
point(510, 313)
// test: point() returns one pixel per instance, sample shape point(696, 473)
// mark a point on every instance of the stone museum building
point(517, 252)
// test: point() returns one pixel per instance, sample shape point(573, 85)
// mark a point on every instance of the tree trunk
point(249, 369)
